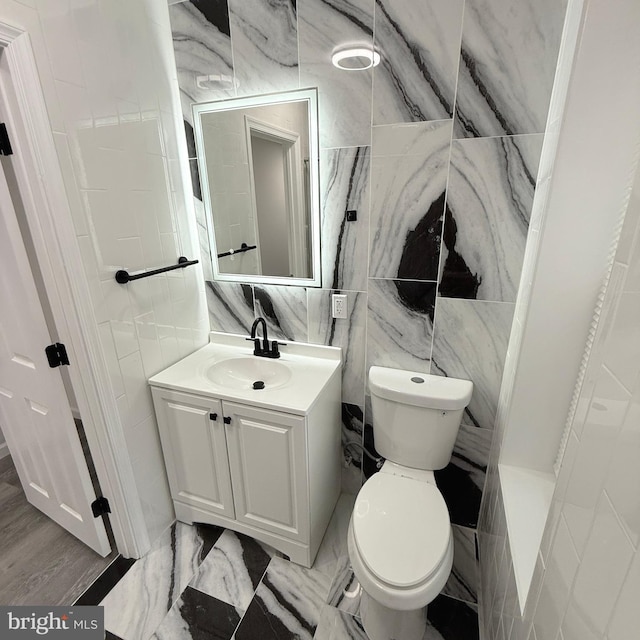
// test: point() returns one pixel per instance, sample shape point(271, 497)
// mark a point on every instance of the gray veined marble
point(489, 200)
point(338, 625)
point(324, 25)
point(287, 603)
point(344, 106)
point(345, 97)
point(202, 46)
point(233, 569)
point(231, 306)
point(136, 606)
point(352, 430)
point(284, 310)
point(471, 452)
point(344, 176)
point(348, 333)
point(418, 43)
point(265, 45)
point(400, 324)
point(470, 342)
point(463, 581)
point(507, 66)
point(409, 178)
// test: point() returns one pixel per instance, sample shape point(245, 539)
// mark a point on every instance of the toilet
point(400, 542)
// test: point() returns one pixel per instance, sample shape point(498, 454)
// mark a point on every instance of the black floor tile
point(198, 616)
point(453, 619)
point(105, 582)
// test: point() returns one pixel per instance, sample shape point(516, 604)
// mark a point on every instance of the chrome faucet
point(266, 350)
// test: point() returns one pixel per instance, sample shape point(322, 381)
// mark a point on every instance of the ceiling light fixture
point(355, 59)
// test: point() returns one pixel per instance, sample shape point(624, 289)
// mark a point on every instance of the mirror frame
point(310, 96)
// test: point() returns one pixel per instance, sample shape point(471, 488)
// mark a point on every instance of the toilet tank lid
point(420, 389)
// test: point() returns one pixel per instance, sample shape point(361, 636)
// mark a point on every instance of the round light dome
point(355, 59)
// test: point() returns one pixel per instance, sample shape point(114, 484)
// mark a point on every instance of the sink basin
point(241, 373)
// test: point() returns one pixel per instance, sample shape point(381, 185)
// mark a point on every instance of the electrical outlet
point(339, 305)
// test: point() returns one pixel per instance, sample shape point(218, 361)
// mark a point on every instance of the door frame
point(50, 222)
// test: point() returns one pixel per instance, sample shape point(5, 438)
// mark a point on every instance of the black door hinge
point(5, 144)
point(56, 355)
point(100, 507)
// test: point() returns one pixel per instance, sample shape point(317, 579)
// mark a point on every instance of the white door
point(268, 461)
point(34, 410)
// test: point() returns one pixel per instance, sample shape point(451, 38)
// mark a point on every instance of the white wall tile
point(625, 622)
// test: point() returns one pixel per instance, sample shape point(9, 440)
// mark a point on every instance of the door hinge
point(5, 144)
point(56, 355)
point(227, 419)
point(100, 507)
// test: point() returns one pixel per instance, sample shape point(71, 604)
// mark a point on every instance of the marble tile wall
point(436, 148)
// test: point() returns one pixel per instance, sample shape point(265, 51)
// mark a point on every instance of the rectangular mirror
point(258, 165)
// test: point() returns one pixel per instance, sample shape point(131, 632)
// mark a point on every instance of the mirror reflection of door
point(279, 198)
point(258, 165)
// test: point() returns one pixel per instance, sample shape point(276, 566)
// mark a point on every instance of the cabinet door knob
point(213, 416)
point(227, 419)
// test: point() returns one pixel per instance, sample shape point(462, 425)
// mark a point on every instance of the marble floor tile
point(451, 619)
point(287, 604)
point(489, 200)
point(418, 43)
point(284, 310)
point(344, 176)
point(507, 66)
point(136, 606)
point(409, 170)
point(345, 593)
point(333, 548)
point(105, 582)
point(265, 45)
point(338, 625)
point(470, 342)
point(233, 569)
point(349, 334)
point(197, 616)
point(400, 324)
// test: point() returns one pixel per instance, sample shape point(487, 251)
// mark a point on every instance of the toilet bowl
point(399, 540)
point(401, 550)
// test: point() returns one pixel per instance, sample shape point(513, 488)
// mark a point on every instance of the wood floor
point(40, 563)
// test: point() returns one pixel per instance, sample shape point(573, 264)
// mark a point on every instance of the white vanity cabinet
point(270, 473)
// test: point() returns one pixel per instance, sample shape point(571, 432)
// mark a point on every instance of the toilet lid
point(401, 528)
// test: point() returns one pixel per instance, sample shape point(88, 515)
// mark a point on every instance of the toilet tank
point(416, 416)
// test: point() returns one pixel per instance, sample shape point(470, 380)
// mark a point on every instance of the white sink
point(227, 369)
point(241, 373)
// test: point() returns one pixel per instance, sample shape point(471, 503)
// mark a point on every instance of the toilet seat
point(401, 529)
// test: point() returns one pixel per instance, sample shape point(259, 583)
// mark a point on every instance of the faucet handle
point(257, 349)
point(275, 352)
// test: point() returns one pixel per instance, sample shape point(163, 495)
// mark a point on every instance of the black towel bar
point(243, 247)
point(123, 276)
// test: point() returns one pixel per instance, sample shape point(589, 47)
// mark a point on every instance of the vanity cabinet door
point(267, 456)
point(195, 450)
